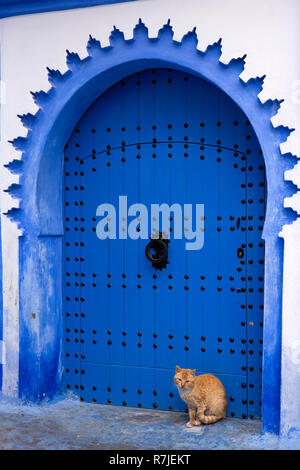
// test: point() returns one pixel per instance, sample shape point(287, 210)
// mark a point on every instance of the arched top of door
point(39, 190)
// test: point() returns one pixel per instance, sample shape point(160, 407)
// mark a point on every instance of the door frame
point(40, 212)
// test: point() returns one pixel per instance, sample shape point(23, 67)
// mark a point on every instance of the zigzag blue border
point(40, 187)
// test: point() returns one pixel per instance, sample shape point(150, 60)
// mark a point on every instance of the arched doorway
point(164, 136)
point(33, 306)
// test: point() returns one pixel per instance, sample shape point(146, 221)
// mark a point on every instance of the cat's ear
point(178, 369)
point(193, 371)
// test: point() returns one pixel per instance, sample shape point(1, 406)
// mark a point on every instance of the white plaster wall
point(290, 411)
point(266, 30)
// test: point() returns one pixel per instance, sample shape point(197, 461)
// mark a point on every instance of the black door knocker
point(159, 245)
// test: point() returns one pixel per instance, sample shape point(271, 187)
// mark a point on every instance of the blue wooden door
point(162, 136)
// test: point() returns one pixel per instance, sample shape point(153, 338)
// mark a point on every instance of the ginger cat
point(204, 394)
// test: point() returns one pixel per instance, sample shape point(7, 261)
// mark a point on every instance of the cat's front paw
point(189, 424)
point(197, 423)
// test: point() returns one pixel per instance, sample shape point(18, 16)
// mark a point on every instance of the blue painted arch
point(40, 191)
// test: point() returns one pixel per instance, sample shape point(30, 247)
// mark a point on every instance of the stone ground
point(69, 424)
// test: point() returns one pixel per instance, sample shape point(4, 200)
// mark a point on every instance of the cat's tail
point(211, 419)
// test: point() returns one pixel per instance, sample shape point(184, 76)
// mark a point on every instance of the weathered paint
point(290, 354)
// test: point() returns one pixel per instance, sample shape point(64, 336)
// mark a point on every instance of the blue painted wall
point(38, 329)
point(25, 7)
